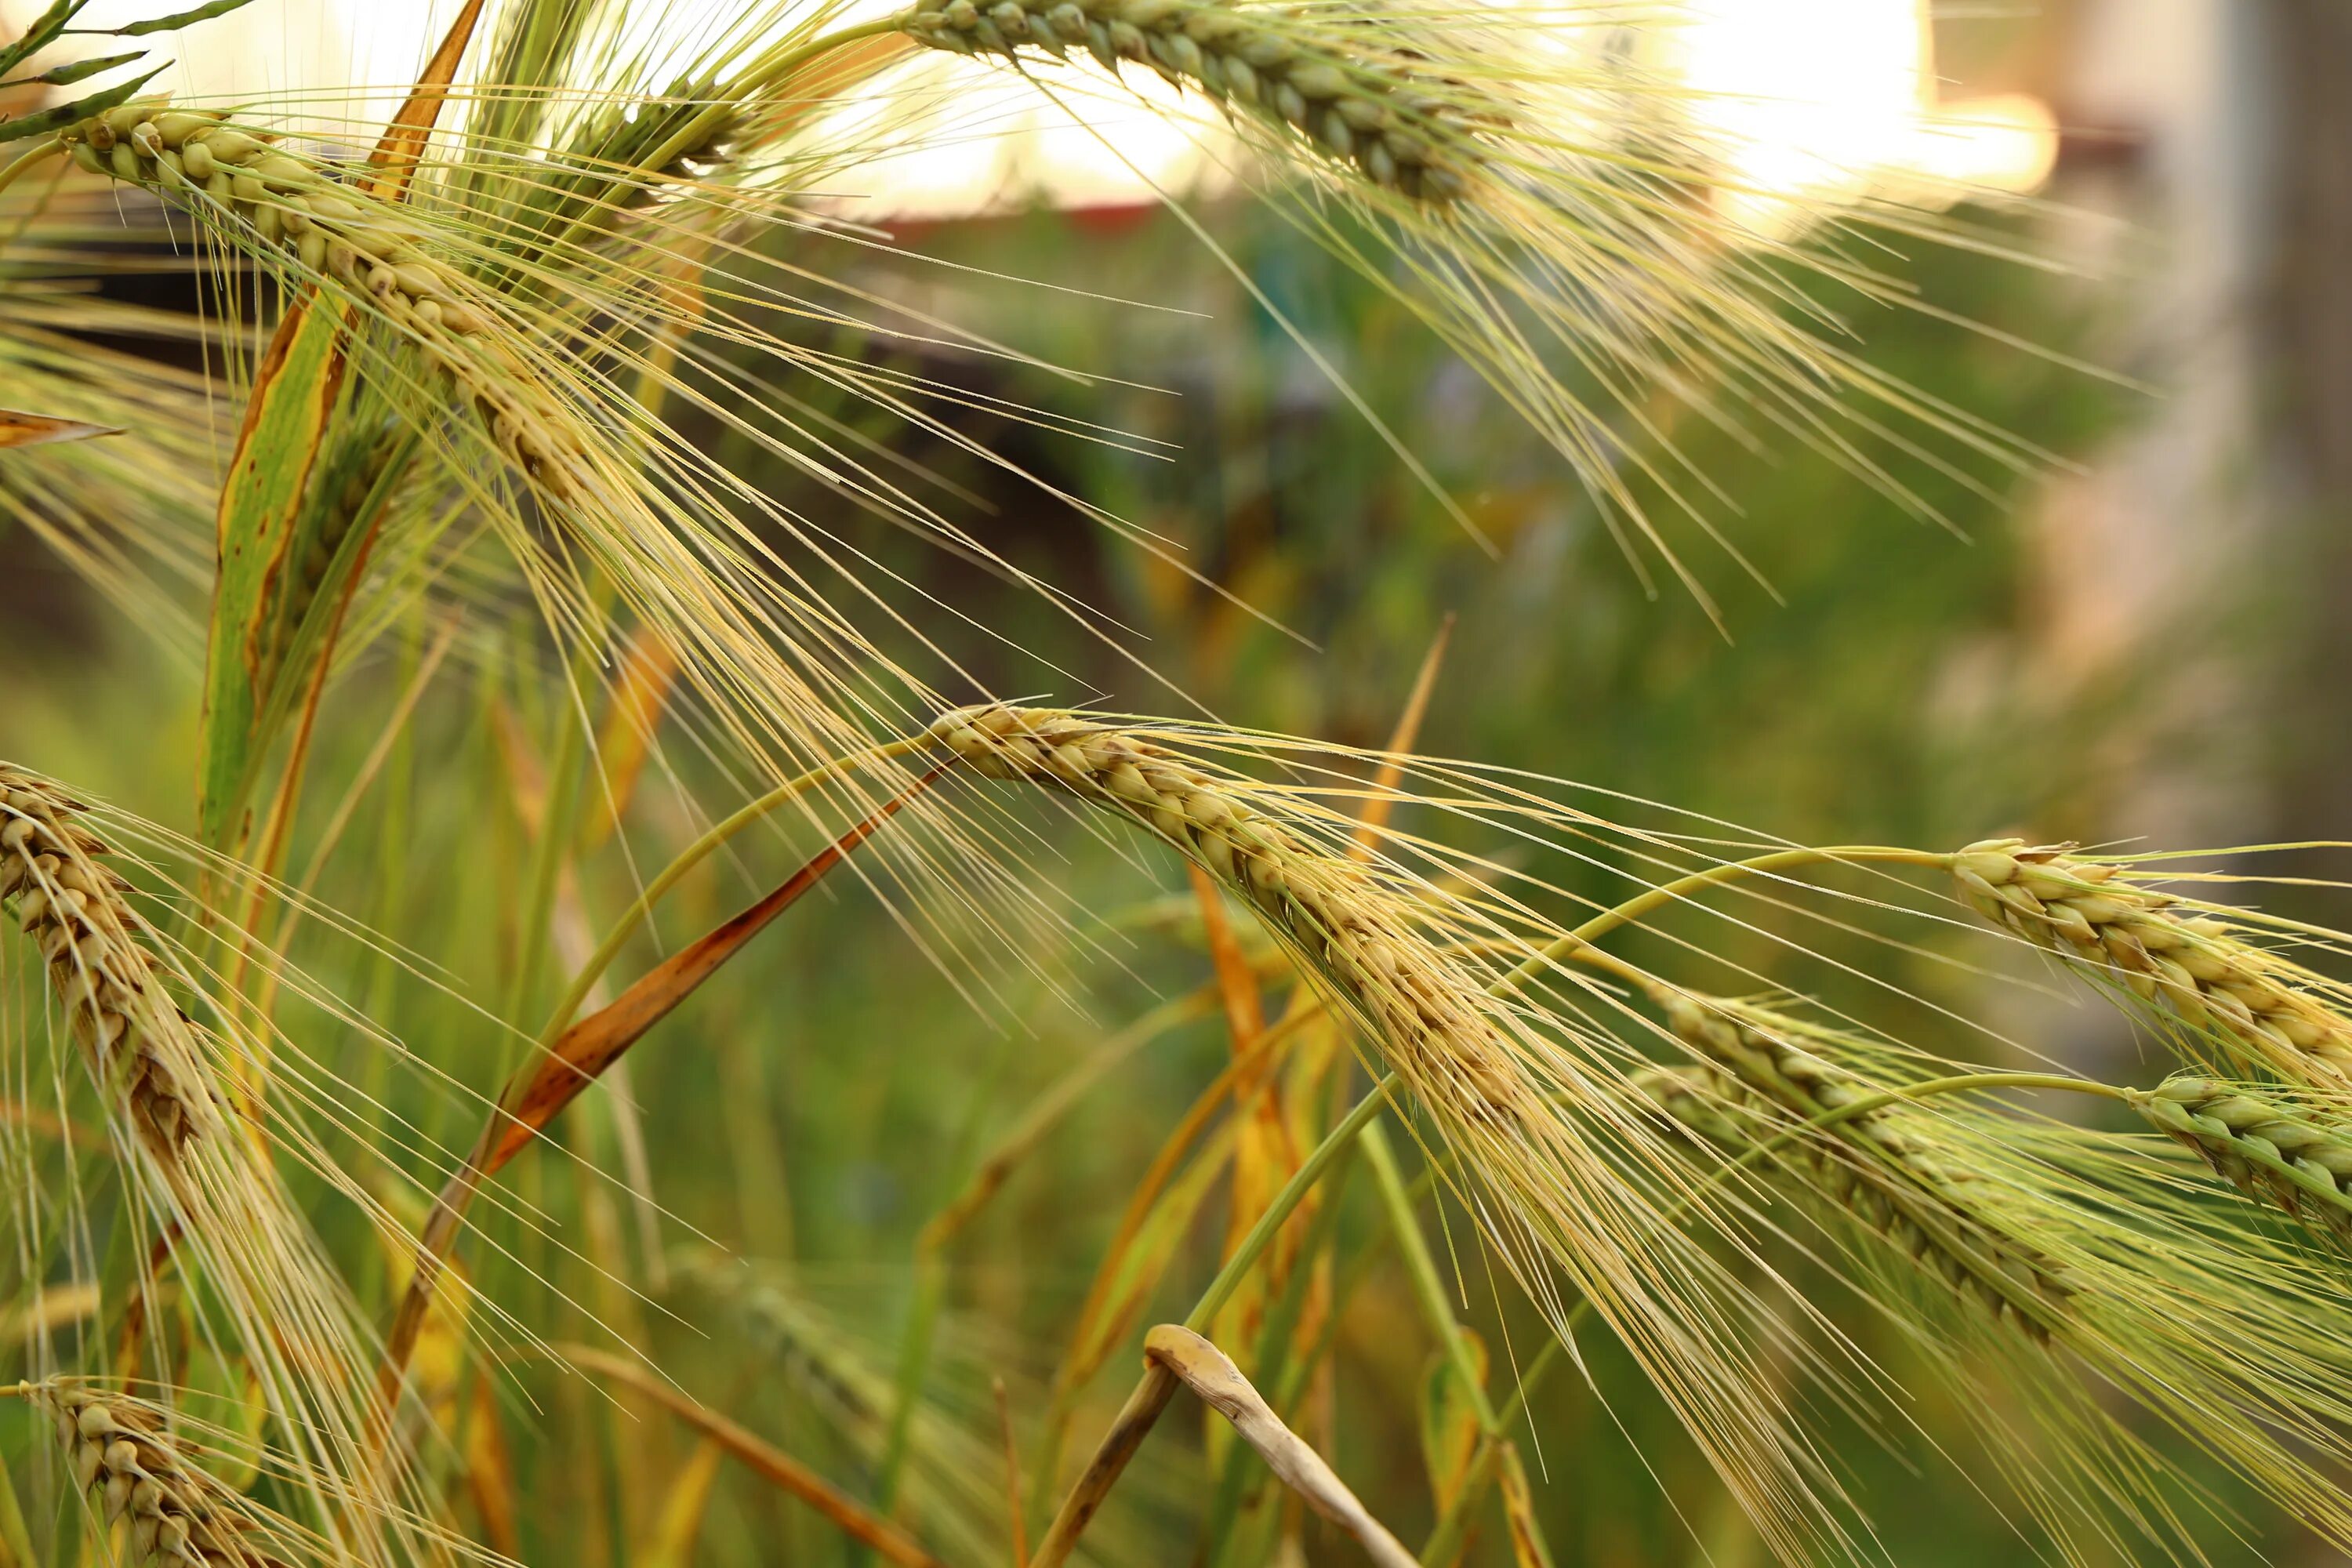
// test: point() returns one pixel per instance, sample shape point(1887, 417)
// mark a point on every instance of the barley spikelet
point(76, 912)
point(2260, 1008)
point(1365, 107)
point(127, 1461)
point(336, 231)
point(2285, 1155)
point(1566, 1174)
point(263, 1289)
point(1880, 1167)
point(1326, 907)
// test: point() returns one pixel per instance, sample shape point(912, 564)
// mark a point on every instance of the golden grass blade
point(1211, 1373)
point(769, 1462)
point(683, 1506)
point(1015, 1521)
point(489, 1472)
point(18, 429)
point(403, 140)
point(1382, 799)
point(1528, 1548)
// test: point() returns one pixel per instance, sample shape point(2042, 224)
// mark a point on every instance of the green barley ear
point(1336, 90)
point(2263, 1011)
point(1884, 1171)
point(2289, 1156)
point(1540, 201)
point(342, 233)
point(194, 1147)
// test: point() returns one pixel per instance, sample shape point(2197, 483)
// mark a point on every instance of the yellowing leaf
point(39, 429)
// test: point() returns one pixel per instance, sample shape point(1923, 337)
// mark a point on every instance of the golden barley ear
point(2259, 1010)
point(79, 914)
point(126, 1460)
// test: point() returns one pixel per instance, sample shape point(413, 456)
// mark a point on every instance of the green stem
point(49, 149)
point(1428, 1285)
point(1683, 888)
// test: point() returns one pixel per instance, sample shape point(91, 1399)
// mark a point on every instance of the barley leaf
point(79, 70)
point(174, 22)
point(295, 394)
point(596, 1042)
point(264, 522)
point(41, 34)
point(50, 121)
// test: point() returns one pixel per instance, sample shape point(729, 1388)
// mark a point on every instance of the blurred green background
point(2143, 638)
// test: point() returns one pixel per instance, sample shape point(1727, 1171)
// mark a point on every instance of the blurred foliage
point(810, 1109)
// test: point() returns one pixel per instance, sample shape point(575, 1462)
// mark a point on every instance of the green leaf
point(50, 121)
point(41, 34)
point(177, 19)
point(1450, 1429)
point(79, 70)
point(295, 394)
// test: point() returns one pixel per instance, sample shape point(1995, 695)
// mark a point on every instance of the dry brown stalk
point(122, 1454)
point(79, 915)
point(2261, 1006)
point(1211, 1373)
point(851, 1517)
point(1326, 906)
point(1879, 1166)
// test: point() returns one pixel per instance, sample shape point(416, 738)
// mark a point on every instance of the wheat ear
point(1328, 907)
point(79, 915)
point(2199, 967)
point(338, 231)
point(2285, 1155)
point(122, 1456)
point(1364, 107)
point(1879, 1166)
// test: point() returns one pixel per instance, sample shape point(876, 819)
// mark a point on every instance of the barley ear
point(290, 208)
point(2261, 1009)
point(79, 915)
point(126, 1461)
point(1363, 107)
point(2285, 1155)
point(1882, 1169)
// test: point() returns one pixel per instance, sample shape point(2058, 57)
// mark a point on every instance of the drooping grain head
point(342, 232)
point(127, 1462)
point(2289, 1156)
point(1362, 105)
point(2265, 1010)
point(1887, 1172)
point(78, 914)
point(1328, 907)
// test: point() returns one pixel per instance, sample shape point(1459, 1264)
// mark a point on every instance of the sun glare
point(1800, 99)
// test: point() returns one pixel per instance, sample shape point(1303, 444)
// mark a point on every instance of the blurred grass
point(1892, 693)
